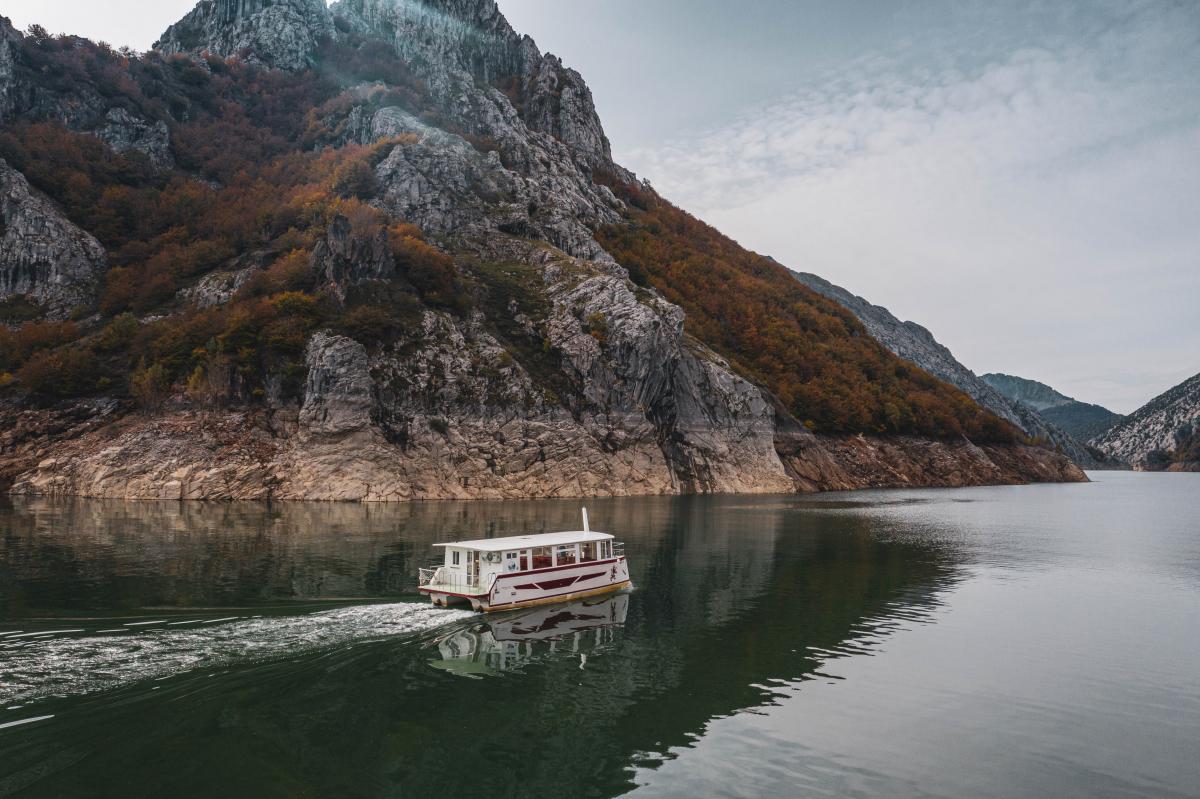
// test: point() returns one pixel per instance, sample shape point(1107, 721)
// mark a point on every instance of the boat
point(495, 574)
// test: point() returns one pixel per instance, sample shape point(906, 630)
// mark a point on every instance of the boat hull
point(541, 587)
point(529, 603)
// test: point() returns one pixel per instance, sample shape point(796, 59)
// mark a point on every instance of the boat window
point(454, 557)
point(588, 552)
point(510, 561)
point(542, 558)
point(605, 550)
point(565, 555)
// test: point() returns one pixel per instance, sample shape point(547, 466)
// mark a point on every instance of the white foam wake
point(37, 668)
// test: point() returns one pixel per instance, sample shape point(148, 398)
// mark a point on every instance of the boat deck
point(464, 589)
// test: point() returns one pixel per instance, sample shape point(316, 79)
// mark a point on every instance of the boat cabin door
point(473, 567)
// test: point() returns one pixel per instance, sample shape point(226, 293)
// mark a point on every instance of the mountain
point(1162, 434)
point(381, 251)
point(914, 343)
point(1080, 420)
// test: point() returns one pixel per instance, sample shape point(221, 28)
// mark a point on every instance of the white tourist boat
point(520, 571)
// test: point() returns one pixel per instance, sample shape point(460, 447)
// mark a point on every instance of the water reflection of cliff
point(733, 596)
point(93, 555)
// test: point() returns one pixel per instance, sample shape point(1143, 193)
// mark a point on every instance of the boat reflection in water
point(510, 641)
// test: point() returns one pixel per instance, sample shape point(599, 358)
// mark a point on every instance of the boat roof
point(528, 541)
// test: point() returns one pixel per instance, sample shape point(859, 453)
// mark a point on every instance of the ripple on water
point(81, 665)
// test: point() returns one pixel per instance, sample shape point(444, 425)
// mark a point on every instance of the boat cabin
point(475, 563)
point(504, 573)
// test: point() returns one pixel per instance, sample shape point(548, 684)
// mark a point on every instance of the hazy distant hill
point(1081, 420)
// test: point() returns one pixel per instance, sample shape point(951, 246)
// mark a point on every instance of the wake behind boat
point(495, 574)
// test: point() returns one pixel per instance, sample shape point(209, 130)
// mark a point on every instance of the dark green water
point(1007, 642)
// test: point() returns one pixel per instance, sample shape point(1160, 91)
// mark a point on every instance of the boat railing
point(448, 578)
point(618, 548)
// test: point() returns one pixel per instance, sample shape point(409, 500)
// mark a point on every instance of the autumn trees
point(810, 352)
point(255, 187)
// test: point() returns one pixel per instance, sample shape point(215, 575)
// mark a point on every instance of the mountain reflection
point(733, 599)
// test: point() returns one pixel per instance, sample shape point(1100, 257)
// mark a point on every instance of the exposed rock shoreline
point(100, 451)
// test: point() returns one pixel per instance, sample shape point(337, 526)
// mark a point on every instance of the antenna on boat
point(586, 529)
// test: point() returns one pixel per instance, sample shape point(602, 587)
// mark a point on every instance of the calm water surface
point(1002, 642)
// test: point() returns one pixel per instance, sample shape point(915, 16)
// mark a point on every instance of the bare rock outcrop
point(125, 132)
point(339, 392)
point(277, 33)
point(43, 255)
point(346, 256)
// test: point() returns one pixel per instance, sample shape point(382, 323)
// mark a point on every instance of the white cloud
point(1038, 210)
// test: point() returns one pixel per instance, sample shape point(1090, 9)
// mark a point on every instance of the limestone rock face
point(124, 132)
point(560, 103)
point(345, 257)
point(445, 185)
point(42, 254)
point(10, 39)
point(277, 33)
point(217, 288)
point(339, 393)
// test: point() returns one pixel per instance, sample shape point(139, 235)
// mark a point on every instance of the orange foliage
point(810, 352)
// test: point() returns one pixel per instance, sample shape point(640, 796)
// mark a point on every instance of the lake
point(990, 642)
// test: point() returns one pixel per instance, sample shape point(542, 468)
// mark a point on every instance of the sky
point(1022, 177)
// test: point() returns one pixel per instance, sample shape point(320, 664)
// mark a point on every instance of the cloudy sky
point(1020, 176)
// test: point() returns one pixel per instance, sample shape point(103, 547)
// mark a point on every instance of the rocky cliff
point(277, 33)
point(1161, 434)
point(433, 316)
point(43, 257)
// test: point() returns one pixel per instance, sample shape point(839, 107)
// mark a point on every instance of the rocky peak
point(464, 50)
point(457, 43)
point(277, 33)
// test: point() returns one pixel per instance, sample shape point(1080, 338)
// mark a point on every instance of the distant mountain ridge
point(915, 343)
point(1162, 434)
point(1081, 420)
point(1031, 393)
